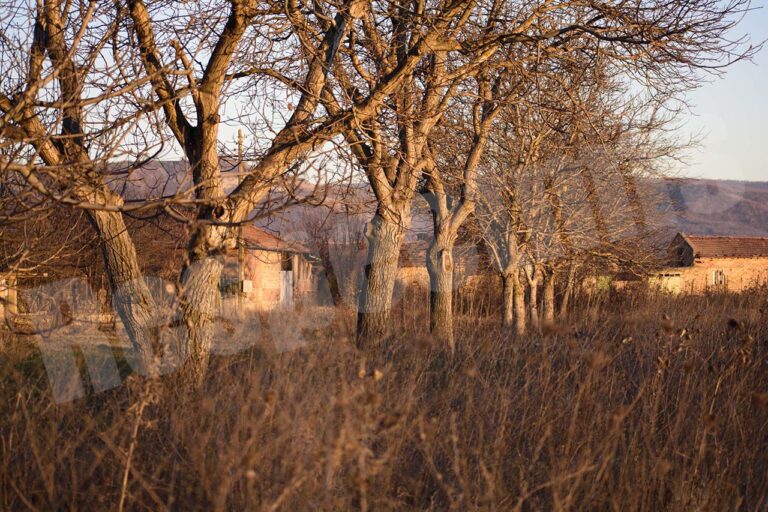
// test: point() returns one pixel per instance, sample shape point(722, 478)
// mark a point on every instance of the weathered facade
point(714, 263)
point(265, 273)
point(269, 272)
point(412, 269)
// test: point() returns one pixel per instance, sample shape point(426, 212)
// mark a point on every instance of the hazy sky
point(732, 115)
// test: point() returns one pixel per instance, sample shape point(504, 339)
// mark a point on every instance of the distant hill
point(694, 206)
point(717, 207)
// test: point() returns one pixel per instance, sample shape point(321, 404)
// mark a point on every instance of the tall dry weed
point(657, 406)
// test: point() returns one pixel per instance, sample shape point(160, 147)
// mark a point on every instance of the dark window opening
point(286, 261)
point(719, 278)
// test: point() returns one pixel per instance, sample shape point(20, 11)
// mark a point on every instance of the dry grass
point(624, 409)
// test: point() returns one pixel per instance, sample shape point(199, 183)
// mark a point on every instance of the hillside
point(694, 206)
point(718, 207)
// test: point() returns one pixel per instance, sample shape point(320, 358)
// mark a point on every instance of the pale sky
point(731, 113)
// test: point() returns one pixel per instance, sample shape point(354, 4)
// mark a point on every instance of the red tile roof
point(727, 246)
point(257, 238)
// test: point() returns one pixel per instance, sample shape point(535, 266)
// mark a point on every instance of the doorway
point(286, 280)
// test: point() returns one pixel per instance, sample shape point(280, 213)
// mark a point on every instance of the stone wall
point(740, 274)
point(263, 269)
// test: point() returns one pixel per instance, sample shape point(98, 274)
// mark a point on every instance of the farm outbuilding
point(270, 272)
point(712, 263)
point(265, 272)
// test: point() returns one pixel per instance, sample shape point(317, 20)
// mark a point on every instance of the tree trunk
point(507, 300)
point(12, 304)
point(9, 304)
point(440, 268)
point(519, 304)
point(549, 298)
point(330, 272)
point(131, 297)
point(568, 291)
point(594, 205)
point(200, 296)
point(200, 301)
point(533, 286)
point(385, 238)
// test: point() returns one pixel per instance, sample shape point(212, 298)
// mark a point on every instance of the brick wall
point(263, 268)
point(740, 274)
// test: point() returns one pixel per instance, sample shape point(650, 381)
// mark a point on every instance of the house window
point(286, 261)
point(229, 286)
point(718, 278)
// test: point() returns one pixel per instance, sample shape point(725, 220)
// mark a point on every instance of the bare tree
point(90, 62)
point(662, 43)
point(217, 212)
point(542, 209)
point(450, 186)
point(87, 84)
point(44, 105)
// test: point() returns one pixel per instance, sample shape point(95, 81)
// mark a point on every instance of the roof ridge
point(731, 237)
point(723, 246)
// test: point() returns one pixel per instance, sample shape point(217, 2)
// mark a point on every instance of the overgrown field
point(633, 405)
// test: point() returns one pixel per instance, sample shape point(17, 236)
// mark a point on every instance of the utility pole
point(240, 241)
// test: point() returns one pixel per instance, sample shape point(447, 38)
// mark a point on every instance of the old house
point(265, 272)
point(412, 268)
point(711, 263)
point(269, 272)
